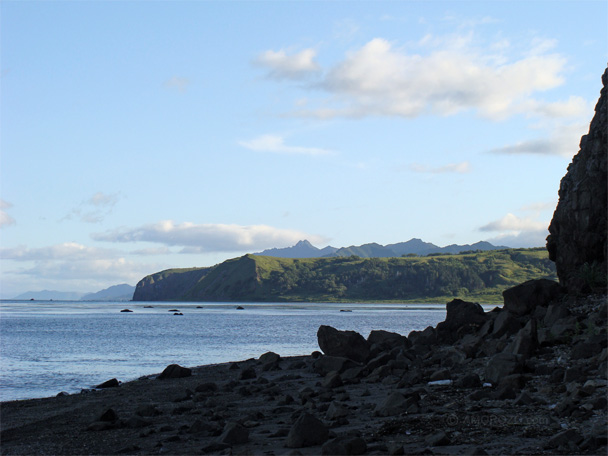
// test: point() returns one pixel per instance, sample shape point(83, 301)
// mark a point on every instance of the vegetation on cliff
point(476, 275)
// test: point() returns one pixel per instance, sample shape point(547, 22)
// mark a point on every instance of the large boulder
point(386, 340)
point(462, 317)
point(347, 344)
point(578, 230)
point(524, 298)
point(174, 371)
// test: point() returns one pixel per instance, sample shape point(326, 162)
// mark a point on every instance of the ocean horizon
point(50, 347)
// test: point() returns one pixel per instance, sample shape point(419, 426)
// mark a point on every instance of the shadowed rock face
point(577, 239)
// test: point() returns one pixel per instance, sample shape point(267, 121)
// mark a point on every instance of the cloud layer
point(5, 219)
point(381, 79)
point(276, 144)
point(459, 168)
point(206, 238)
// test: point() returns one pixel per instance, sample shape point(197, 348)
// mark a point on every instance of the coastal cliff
point(577, 240)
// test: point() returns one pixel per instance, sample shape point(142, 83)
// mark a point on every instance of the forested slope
point(476, 275)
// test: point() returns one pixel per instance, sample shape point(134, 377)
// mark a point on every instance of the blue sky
point(139, 136)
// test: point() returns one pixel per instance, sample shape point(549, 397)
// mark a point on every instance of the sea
point(48, 347)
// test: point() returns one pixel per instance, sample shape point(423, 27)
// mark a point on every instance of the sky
point(138, 136)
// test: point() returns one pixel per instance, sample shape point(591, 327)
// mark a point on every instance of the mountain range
point(305, 249)
point(123, 292)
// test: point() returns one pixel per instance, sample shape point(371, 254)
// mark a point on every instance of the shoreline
point(450, 389)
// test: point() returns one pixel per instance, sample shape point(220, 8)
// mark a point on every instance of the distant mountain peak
point(304, 249)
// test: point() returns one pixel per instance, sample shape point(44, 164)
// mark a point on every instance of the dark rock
point(462, 317)
point(335, 411)
point(332, 380)
point(501, 365)
point(471, 380)
point(394, 404)
point(126, 310)
point(240, 308)
point(441, 374)
point(578, 230)
point(437, 439)
point(565, 437)
point(387, 340)
point(347, 344)
point(208, 387)
point(113, 383)
point(306, 431)
point(175, 371)
point(346, 445)
point(524, 298)
point(269, 359)
point(247, 374)
point(554, 313)
point(234, 434)
point(326, 364)
point(109, 416)
point(426, 337)
point(584, 350)
point(505, 323)
point(378, 361)
point(147, 410)
point(525, 341)
point(136, 422)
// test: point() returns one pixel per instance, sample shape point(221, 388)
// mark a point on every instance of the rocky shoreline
point(478, 383)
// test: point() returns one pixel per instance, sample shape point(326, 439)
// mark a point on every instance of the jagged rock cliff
point(577, 239)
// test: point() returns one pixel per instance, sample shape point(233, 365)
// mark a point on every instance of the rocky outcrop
point(578, 231)
point(347, 344)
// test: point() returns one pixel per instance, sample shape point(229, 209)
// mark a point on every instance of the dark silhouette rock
point(347, 344)
point(306, 431)
point(578, 230)
point(524, 298)
point(386, 340)
point(462, 317)
point(112, 383)
point(126, 310)
point(326, 364)
point(501, 365)
point(234, 434)
point(175, 371)
point(346, 445)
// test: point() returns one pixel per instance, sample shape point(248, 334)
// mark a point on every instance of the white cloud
point(563, 141)
point(178, 83)
point(460, 168)
point(283, 66)
point(380, 79)
point(514, 231)
point(71, 251)
point(152, 251)
point(206, 238)
point(276, 144)
point(512, 222)
point(95, 209)
point(5, 219)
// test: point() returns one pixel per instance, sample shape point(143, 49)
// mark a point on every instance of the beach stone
point(563, 438)
point(394, 404)
point(505, 323)
point(174, 371)
point(147, 410)
point(471, 380)
point(462, 317)
point(525, 341)
point(346, 445)
point(234, 434)
point(247, 374)
point(307, 431)
point(332, 380)
point(426, 337)
point(437, 439)
point(523, 299)
point(109, 416)
point(335, 411)
point(501, 365)
point(326, 364)
point(387, 340)
point(112, 383)
point(347, 344)
point(208, 387)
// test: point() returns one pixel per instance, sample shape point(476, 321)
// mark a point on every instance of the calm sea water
point(48, 347)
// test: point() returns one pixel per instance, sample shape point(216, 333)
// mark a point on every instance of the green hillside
point(480, 276)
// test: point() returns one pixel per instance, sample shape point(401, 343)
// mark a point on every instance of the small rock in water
point(126, 310)
point(240, 308)
point(178, 313)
